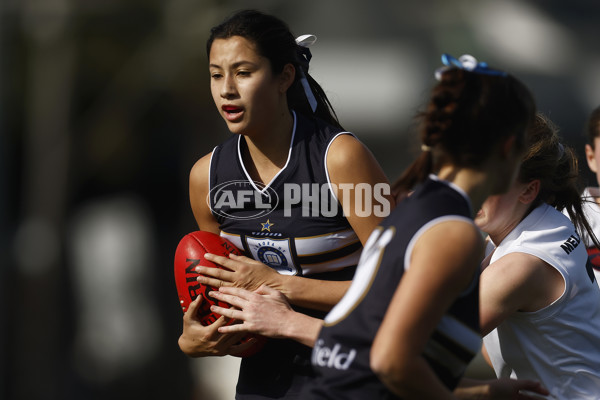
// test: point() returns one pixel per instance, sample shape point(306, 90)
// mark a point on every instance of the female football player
point(539, 300)
point(290, 187)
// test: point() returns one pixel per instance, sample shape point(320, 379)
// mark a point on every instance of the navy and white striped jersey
point(342, 351)
point(293, 224)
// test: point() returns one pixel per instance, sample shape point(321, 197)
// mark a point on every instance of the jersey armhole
point(329, 184)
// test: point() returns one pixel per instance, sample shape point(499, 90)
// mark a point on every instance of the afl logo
point(242, 200)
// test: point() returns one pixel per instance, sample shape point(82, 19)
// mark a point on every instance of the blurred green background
point(105, 106)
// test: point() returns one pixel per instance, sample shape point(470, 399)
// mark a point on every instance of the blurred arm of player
point(428, 287)
point(500, 389)
point(265, 312)
point(349, 163)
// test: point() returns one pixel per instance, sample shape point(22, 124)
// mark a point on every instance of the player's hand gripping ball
point(190, 254)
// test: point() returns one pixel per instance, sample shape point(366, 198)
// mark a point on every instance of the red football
point(190, 254)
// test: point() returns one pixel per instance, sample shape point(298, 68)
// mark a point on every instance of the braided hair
point(467, 116)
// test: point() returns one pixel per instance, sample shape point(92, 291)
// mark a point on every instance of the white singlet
point(558, 345)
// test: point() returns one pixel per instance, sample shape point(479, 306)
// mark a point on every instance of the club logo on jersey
point(273, 252)
point(242, 200)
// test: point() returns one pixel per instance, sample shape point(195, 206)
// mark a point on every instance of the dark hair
point(593, 127)
point(467, 116)
point(274, 41)
point(556, 166)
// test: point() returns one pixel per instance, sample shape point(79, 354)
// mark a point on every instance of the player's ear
point(530, 191)
point(286, 78)
point(590, 157)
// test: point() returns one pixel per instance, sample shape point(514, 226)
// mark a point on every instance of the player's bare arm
point(349, 162)
point(396, 355)
point(199, 189)
point(516, 282)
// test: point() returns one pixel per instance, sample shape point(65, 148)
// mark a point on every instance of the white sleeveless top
point(558, 345)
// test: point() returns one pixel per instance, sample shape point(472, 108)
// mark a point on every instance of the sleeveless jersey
point(558, 345)
point(295, 225)
point(341, 353)
point(591, 210)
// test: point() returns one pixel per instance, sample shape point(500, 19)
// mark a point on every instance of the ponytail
point(470, 111)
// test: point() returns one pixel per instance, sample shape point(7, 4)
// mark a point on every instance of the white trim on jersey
point(325, 162)
point(314, 246)
point(289, 157)
point(233, 238)
point(424, 228)
point(369, 263)
point(453, 328)
point(455, 187)
point(212, 154)
point(333, 265)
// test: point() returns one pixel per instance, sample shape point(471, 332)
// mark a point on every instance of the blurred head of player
point(473, 120)
point(256, 69)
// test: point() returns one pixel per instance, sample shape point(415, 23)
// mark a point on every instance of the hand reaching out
point(501, 389)
point(267, 312)
point(263, 311)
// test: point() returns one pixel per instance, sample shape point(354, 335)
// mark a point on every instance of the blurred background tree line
point(105, 106)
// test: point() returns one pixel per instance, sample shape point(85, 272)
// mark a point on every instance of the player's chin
point(236, 127)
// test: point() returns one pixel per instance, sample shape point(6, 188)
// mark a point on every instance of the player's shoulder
point(455, 227)
point(200, 169)
point(452, 236)
point(346, 149)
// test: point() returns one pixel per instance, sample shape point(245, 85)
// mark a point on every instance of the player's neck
point(267, 154)
point(475, 183)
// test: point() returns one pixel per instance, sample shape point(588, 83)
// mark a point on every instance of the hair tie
point(304, 56)
point(468, 63)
